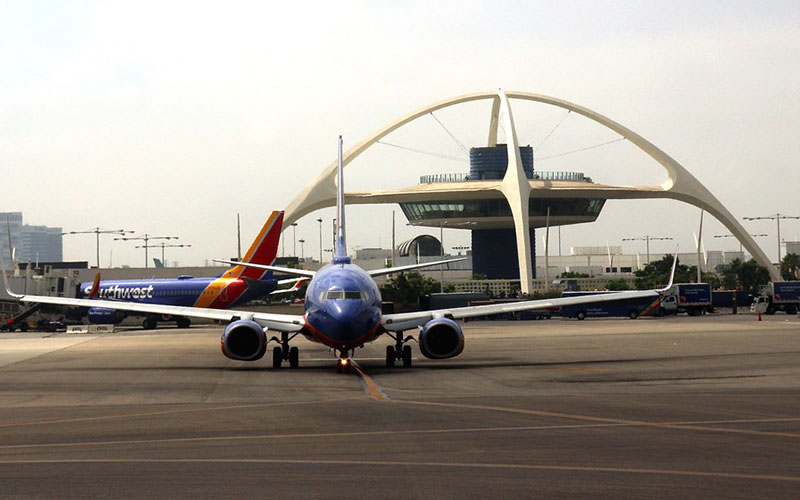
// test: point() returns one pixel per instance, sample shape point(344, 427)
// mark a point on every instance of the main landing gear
point(284, 352)
point(399, 351)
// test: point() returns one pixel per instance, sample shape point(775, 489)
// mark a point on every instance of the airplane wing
point(407, 321)
point(278, 322)
point(389, 270)
point(285, 270)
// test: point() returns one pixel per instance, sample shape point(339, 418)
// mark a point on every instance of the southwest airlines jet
point(342, 311)
point(235, 286)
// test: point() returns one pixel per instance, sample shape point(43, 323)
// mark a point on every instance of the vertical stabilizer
point(262, 251)
point(341, 242)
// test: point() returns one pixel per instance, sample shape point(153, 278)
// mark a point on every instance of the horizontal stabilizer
point(285, 270)
point(390, 270)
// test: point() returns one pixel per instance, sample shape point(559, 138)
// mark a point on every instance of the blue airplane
point(343, 311)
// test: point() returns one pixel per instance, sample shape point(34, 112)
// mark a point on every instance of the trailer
point(632, 308)
point(691, 298)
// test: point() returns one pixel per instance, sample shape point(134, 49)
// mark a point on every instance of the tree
point(790, 267)
point(617, 284)
point(656, 274)
point(573, 274)
point(405, 288)
point(751, 275)
point(730, 274)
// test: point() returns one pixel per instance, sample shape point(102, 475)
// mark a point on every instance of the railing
point(430, 179)
point(559, 176)
point(538, 175)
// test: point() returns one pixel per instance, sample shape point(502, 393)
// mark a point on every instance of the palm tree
point(790, 267)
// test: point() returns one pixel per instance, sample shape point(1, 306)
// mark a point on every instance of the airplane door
point(223, 295)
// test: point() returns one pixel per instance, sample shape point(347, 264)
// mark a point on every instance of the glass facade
point(419, 211)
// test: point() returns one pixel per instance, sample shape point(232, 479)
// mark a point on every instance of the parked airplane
point(237, 285)
point(342, 311)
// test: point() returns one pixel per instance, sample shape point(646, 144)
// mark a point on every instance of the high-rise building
point(33, 243)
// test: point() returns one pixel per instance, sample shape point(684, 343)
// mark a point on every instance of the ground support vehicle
point(691, 298)
point(779, 296)
point(632, 308)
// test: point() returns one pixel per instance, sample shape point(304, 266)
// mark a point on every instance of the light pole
point(97, 232)
point(775, 217)
point(162, 246)
point(294, 237)
point(302, 249)
point(146, 238)
point(647, 238)
point(741, 251)
point(320, 239)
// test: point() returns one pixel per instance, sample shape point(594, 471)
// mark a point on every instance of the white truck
point(691, 298)
point(778, 296)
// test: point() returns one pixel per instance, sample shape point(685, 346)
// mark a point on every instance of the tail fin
point(341, 241)
point(262, 251)
point(95, 287)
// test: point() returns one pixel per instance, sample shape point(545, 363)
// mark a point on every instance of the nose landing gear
point(343, 363)
point(399, 351)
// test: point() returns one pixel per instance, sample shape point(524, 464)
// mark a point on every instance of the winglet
point(672, 272)
point(95, 286)
point(5, 282)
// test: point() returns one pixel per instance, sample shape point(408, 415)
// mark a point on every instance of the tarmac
point(680, 407)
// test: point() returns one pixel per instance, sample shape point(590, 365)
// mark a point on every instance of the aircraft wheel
point(581, 315)
point(149, 324)
point(294, 357)
point(277, 357)
point(407, 356)
point(390, 356)
point(183, 322)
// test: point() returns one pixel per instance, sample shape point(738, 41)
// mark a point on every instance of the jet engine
point(441, 338)
point(103, 316)
point(244, 340)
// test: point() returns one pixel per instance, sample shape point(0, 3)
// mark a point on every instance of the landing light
point(344, 361)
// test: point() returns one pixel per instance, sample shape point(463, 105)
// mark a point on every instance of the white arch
point(680, 184)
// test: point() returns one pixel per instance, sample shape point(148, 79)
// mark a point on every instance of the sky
point(169, 118)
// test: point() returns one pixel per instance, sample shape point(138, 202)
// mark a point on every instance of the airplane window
point(344, 294)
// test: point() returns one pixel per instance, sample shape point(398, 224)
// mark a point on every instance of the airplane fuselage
point(217, 293)
point(342, 307)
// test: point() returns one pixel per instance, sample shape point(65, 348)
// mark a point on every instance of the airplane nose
point(344, 311)
point(349, 319)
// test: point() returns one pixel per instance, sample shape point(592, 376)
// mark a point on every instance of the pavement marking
point(464, 430)
point(633, 423)
point(369, 384)
point(302, 436)
point(168, 412)
point(384, 463)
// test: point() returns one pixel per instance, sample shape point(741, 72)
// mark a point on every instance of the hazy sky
point(168, 118)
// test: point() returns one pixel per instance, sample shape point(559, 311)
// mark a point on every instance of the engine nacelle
point(103, 316)
point(441, 338)
point(244, 340)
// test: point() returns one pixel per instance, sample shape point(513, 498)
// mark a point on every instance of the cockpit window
point(344, 295)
